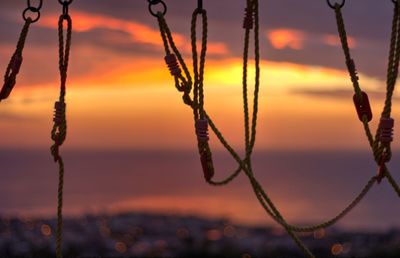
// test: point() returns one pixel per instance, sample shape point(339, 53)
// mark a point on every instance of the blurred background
point(131, 145)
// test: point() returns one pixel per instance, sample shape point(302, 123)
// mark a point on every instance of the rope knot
point(207, 165)
point(202, 130)
point(385, 130)
point(59, 128)
point(10, 77)
point(362, 106)
point(173, 65)
point(59, 113)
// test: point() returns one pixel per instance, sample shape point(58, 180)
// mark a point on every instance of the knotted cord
point(197, 103)
point(14, 65)
point(250, 135)
point(380, 144)
point(59, 131)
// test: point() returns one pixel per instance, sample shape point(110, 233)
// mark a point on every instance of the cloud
point(334, 40)
point(138, 32)
point(127, 29)
point(286, 38)
point(340, 94)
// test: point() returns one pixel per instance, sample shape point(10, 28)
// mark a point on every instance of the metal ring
point(33, 10)
point(38, 8)
point(155, 2)
point(333, 5)
point(65, 2)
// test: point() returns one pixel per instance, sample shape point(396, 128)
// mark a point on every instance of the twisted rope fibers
point(168, 41)
point(245, 164)
point(392, 71)
point(15, 62)
point(59, 131)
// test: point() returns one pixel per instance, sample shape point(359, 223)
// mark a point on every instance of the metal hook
point(333, 5)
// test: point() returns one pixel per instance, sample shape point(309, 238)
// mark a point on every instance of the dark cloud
point(341, 94)
point(366, 20)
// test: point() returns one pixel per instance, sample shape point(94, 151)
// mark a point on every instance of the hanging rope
point(381, 143)
point(201, 123)
point(197, 104)
point(14, 65)
point(59, 131)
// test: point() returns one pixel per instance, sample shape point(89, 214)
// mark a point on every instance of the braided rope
point(393, 62)
point(59, 208)
point(15, 62)
point(392, 73)
point(197, 104)
point(245, 164)
point(257, 76)
point(59, 131)
point(244, 83)
point(198, 89)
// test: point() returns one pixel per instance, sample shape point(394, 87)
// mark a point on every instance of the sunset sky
point(122, 103)
point(120, 94)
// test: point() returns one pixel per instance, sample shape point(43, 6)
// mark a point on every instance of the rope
point(15, 62)
point(198, 93)
point(59, 131)
point(325, 224)
point(244, 78)
point(392, 72)
point(197, 104)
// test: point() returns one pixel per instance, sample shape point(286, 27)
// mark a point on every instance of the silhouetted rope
point(59, 131)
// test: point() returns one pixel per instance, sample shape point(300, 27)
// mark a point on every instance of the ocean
point(307, 186)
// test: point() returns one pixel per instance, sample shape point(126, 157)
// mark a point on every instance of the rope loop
point(59, 131)
point(333, 6)
point(152, 3)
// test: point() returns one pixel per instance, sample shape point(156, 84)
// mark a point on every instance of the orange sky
point(122, 101)
point(120, 94)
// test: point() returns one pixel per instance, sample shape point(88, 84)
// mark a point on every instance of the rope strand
point(59, 131)
point(393, 63)
point(14, 65)
point(197, 104)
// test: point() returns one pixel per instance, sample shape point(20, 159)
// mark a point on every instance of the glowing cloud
point(333, 40)
point(286, 38)
point(139, 33)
